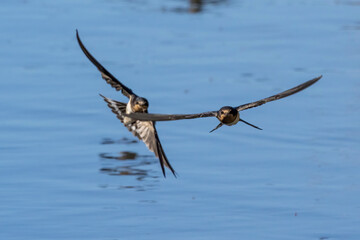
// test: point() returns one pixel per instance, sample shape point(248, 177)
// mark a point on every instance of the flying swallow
point(144, 130)
point(226, 115)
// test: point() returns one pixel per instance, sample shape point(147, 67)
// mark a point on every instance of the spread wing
point(109, 78)
point(144, 130)
point(169, 117)
point(119, 108)
point(148, 134)
point(279, 95)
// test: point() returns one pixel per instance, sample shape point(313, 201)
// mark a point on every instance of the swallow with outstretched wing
point(144, 130)
point(226, 115)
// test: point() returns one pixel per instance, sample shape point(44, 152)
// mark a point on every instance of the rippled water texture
point(70, 170)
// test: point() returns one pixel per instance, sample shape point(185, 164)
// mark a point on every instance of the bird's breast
point(231, 119)
point(129, 108)
point(128, 111)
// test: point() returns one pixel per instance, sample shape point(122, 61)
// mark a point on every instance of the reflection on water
point(197, 5)
point(129, 164)
point(194, 6)
point(120, 141)
point(123, 156)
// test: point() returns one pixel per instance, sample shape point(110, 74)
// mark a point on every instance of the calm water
point(70, 170)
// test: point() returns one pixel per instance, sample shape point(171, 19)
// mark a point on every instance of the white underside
point(128, 111)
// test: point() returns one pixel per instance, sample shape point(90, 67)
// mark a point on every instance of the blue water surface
point(70, 170)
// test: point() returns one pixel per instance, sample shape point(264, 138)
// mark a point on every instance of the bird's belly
point(128, 111)
point(231, 120)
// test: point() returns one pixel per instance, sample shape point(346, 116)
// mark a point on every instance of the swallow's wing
point(279, 95)
point(119, 108)
point(144, 130)
point(109, 78)
point(148, 134)
point(169, 117)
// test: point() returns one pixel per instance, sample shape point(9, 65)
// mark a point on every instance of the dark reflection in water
point(120, 141)
point(195, 6)
point(129, 164)
point(123, 156)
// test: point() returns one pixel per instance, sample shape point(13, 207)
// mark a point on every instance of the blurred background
point(70, 170)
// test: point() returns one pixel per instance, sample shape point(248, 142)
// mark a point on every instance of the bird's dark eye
point(222, 112)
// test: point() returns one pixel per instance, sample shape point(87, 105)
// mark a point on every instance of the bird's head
point(227, 115)
point(140, 105)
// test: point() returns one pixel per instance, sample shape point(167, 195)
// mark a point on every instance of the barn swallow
point(144, 130)
point(226, 115)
